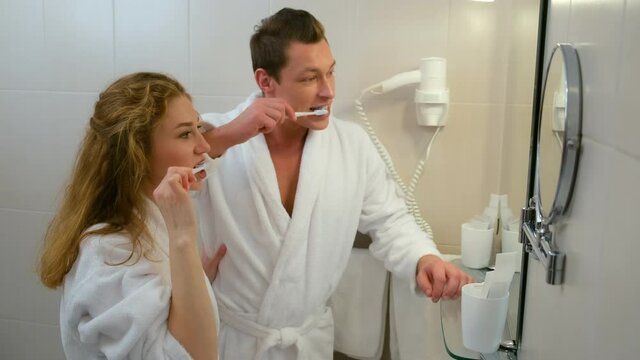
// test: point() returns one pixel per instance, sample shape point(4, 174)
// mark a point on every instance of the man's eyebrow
point(315, 69)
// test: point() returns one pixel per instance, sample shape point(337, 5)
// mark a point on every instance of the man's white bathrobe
point(279, 271)
point(120, 311)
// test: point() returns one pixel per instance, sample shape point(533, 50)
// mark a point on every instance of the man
point(287, 204)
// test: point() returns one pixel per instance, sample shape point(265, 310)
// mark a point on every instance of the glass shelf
point(452, 324)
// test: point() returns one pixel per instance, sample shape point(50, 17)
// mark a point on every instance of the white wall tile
point(22, 39)
point(625, 130)
point(557, 30)
point(477, 51)
point(616, 319)
point(28, 341)
point(216, 104)
point(56, 45)
point(514, 155)
point(596, 31)
point(462, 169)
point(570, 307)
point(220, 56)
point(522, 52)
point(40, 135)
point(594, 324)
point(79, 44)
point(152, 35)
point(392, 37)
point(24, 298)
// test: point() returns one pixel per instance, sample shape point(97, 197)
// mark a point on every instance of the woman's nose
point(202, 146)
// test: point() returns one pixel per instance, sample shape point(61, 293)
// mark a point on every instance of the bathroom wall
point(57, 54)
point(594, 314)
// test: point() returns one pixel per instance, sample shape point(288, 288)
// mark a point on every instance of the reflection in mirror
point(552, 127)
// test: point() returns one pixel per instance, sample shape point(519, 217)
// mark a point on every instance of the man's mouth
point(321, 107)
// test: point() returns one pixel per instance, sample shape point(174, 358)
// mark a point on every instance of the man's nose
point(327, 88)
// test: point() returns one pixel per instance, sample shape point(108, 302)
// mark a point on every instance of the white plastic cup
point(510, 241)
point(483, 319)
point(475, 246)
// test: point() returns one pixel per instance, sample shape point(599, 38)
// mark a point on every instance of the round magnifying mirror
point(559, 133)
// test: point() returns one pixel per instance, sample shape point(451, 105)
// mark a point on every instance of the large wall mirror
point(53, 76)
point(491, 52)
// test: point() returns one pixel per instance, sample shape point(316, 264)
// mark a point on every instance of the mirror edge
point(572, 135)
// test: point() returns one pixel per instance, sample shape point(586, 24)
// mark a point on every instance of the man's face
point(307, 81)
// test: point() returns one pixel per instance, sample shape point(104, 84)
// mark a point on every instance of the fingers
point(424, 283)
point(175, 184)
point(456, 279)
point(222, 250)
point(272, 112)
point(291, 114)
point(440, 280)
point(451, 288)
point(210, 265)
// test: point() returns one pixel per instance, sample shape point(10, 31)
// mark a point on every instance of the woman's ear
point(265, 81)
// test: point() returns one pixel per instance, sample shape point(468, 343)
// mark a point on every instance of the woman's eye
point(186, 134)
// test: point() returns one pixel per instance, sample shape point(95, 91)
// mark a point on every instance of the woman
point(123, 243)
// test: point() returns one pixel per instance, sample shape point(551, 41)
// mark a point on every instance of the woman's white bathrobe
point(279, 271)
point(121, 311)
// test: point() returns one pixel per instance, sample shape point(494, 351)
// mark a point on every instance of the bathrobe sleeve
point(397, 240)
point(117, 311)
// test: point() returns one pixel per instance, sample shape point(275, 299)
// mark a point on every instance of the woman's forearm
point(191, 317)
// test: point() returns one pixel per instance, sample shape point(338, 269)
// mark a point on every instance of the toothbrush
point(318, 112)
point(204, 166)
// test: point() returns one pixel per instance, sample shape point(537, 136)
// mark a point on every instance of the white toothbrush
point(318, 112)
point(204, 166)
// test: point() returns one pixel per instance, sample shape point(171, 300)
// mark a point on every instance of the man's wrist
point(218, 141)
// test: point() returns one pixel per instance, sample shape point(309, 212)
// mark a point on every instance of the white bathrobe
point(279, 271)
point(121, 311)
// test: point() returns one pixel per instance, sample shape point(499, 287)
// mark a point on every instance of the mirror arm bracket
point(537, 238)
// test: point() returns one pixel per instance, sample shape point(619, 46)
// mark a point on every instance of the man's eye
point(201, 129)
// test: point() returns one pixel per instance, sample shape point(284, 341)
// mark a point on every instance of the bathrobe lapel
point(296, 228)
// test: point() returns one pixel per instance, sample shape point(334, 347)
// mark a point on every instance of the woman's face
point(176, 141)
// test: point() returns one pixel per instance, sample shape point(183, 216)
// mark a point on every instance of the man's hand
point(439, 279)
point(210, 264)
point(262, 116)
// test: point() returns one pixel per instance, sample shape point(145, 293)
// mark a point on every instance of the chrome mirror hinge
point(538, 243)
point(528, 216)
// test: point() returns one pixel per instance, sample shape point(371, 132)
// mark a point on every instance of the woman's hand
point(173, 200)
point(191, 317)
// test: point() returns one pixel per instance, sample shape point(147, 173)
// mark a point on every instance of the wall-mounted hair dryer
point(432, 103)
point(432, 96)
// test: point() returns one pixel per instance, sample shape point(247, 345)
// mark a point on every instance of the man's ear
point(265, 81)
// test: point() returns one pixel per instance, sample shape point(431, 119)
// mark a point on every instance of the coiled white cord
point(408, 191)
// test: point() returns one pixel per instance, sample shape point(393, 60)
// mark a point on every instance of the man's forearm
point(219, 139)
